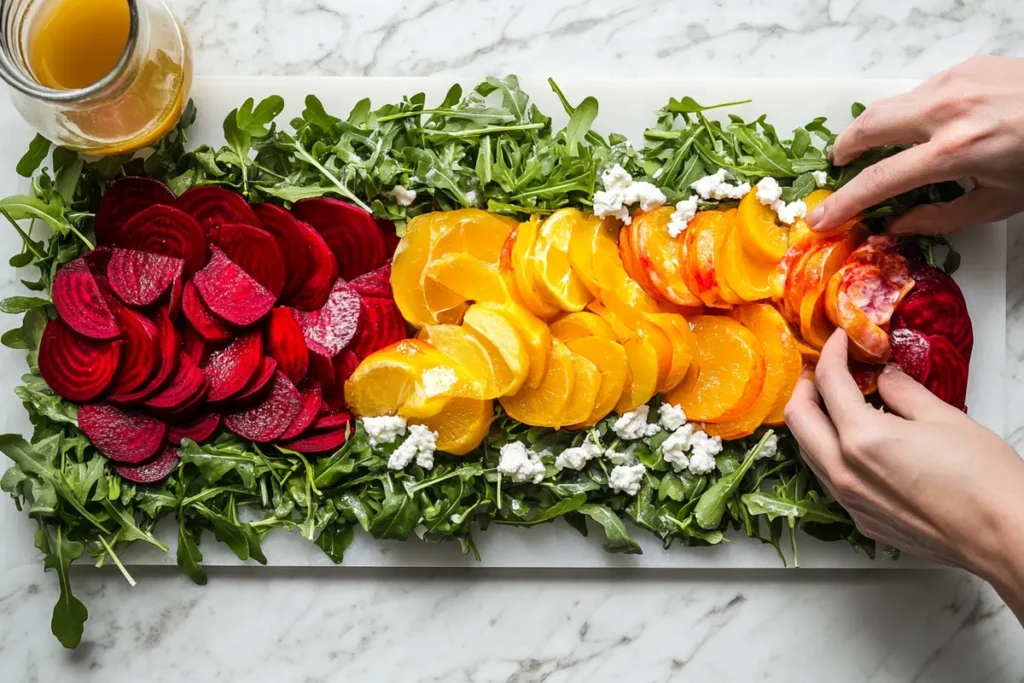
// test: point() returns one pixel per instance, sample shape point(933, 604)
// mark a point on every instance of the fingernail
point(814, 217)
point(891, 368)
point(831, 155)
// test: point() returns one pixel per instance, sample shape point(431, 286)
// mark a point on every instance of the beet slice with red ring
point(936, 306)
point(203, 321)
point(310, 267)
point(911, 351)
point(167, 231)
point(267, 420)
point(231, 293)
point(75, 367)
point(81, 304)
point(141, 351)
point(140, 278)
point(255, 251)
point(229, 370)
point(188, 383)
point(130, 438)
point(167, 349)
point(350, 232)
point(312, 400)
point(199, 429)
point(152, 472)
point(98, 259)
point(194, 346)
point(382, 326)
point(260, 384)
point(934, 362)
point(323, 442)
point(214, 206)
point(331, 329)
point(321, 369)
point(174, 301)
point(287, 345)
point(390, 234)
point(376, 283)
point(123, 200)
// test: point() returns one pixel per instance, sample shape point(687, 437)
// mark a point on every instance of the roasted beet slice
point(320, 443)
point(152, 472)
point(310, 267)
point(123, 200)
point(198, 429)
point(194, 346)
point(141, 350)
point(382, 326)
point(130, 438)
point(321, 369)
point(167, 231)
point(188, 383)
point(206, 324)
point(255, 252)
point(215, 206)
point(376, 283)
point(911, 352)
point(231, 293)
point(174, 302)
point(230, 369)
point(936, 306)
point(947, 377)
point(287, 345)
point(98, 259)
point(351, 233)
point(140, 278)
point(81, 304)
point(391, 238)
point(330, 329)
point(75, 367)
point(259, 384)
point(332, 421)
point(344, 365)
point(167, 349)
point(270, 418)
point(312, 399)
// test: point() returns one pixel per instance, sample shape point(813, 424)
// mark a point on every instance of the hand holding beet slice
point(206, 324)
point(152, 472)
point(215, 206)
point(81, 304)
point(351, 233)
point(198, 429)
point(141, 350)
point(255, 252)
point(74, 367)
point(231, 293)
point(269, 419)
point(330, 329)
point(286, 344)
point(167, 231)
point(140, 278)
point(230, 369)
point(124, 199)
point(310, 267)
point(130, 438)
point(312, 399)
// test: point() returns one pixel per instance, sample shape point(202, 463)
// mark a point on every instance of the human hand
point(964, 123)
point(924, 478)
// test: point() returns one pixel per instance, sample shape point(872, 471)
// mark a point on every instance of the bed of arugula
point(492, 145)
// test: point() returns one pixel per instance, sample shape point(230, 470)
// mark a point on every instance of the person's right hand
point(965, 123)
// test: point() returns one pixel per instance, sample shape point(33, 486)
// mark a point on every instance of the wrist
point(995, 550)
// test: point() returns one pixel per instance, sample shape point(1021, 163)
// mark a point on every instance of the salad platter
point(639, 165)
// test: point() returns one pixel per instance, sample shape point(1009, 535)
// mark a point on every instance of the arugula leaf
point(189, 557)
point(37, 152)
point(397, 517)
point(334, 540)
point(711, 505)
point(617, 538)
point(69, 614)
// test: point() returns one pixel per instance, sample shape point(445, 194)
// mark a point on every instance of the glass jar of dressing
point(97, 76)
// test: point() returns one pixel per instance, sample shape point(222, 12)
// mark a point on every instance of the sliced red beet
point(168, 342)
point(141, 354)
point(230, 369)
point(270, 418)
point(376, 283)
point(167, 231)
point(198, 429)
point(75, 367)
point(174, 302)
point(130, 438)
point(320, 443)
point(351, 233)
point(322, 370)
point(81, 304)
point(947, 377)
point(194, 346)
point(140, 278)
point(310, 267)
point(312, 399)
point(382, 326)
point(123, 200)
point(911, 351)
point(259, 384)
point(188, 383)
point(255, 252)
point(286, 344)
point(331, 421)
point(344, 365)
point(231, 293)
point(391, 238)
point(215, 206)
point(98, 259)
point(206, 324)
point(152, 472)
point(330, 329)
point(936, 306)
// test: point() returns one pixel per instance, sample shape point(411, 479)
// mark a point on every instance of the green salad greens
point(491, 148)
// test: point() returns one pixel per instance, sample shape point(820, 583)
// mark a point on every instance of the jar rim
point(18, 78)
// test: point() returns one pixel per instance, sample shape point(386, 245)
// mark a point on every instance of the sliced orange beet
point(376, 283)
point(312, 399)
point(215, 206)
point(255, 252)
point(382, 325)
point(199, 429)
point(75, 367)
point(141, 354)
point(231, 293)
point(259, 385)
point(167, 351)
point(286, 344)
point(188, 387)
point(230, 369)
point(310, 267)
point(330, 329)
point(206, 324)
point(351, 233)
point(167, 231)
point(152, 472)
point(123, 200)
point(268, 419)
point(81, 304)
point(140, 278)
point(125, 437)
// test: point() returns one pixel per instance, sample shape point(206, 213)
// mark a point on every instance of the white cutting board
point(626, 107)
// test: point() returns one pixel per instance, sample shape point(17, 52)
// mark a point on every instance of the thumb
point(974, 208)
point(907, 398)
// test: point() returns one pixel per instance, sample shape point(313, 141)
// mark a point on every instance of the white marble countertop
point(480, 626)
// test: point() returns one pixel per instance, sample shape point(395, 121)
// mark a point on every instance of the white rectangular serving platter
point(627, 106)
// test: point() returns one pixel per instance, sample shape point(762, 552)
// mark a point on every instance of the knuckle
point(845, 485)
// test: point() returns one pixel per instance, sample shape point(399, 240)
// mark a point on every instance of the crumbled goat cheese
point(418, 446)
point(610, 204)
point(820, 178)
point(681, 217)
point(616, 179)
point(471, 197)
point(675, 447)
point(671, 417)
point(620, 192)
point(633, 425)
point(384, 429)
point(788, 213)
point(438, 380)
point(703, 449)
point(715, 186)
point(626, 457)
point(576, 458)
point(646, 194)
point(627, 478)
point(403, 196)
point(520, 464)
point(769, 191)
point(770, 449)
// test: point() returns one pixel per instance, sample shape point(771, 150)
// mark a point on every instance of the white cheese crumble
point(577, 457)
point(418, 446)
point(820, 178)
point(770, 449)
point(633, 425)
point(716, 187)
point(703, 449)
point(471, 197)
point(768, 191)
point(681, 217)
point(675, 447)
point(620, 192)
point(519, 464)
point(384, 429)
point(671, 417)
point(403, 196)
point(788, 213)
point(646, 194)
point(627, 478)
point(610, 204)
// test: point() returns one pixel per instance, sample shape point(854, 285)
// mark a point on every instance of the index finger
point(838, 388)
point(895, 121)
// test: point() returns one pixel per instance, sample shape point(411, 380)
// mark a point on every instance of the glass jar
point(133, 105)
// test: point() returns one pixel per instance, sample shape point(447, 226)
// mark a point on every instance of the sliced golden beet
point(545, 405)
point(610, 358)
point(586, 386)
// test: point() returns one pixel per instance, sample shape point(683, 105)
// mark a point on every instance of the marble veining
point(477, 626)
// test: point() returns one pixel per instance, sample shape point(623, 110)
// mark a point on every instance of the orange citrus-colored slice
point(461, 426)
point(555, 278)
point(586, 386)
point(472, 279)
point(581, 324)
point(643, 366)
point(522, 266)
point(658, 254)
point(682, 348)
point(469, 352)
point(534, 333)
point(544, 405)
point(610, 359)
point(592, 236)
point(504, 344)
point(761, 235)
